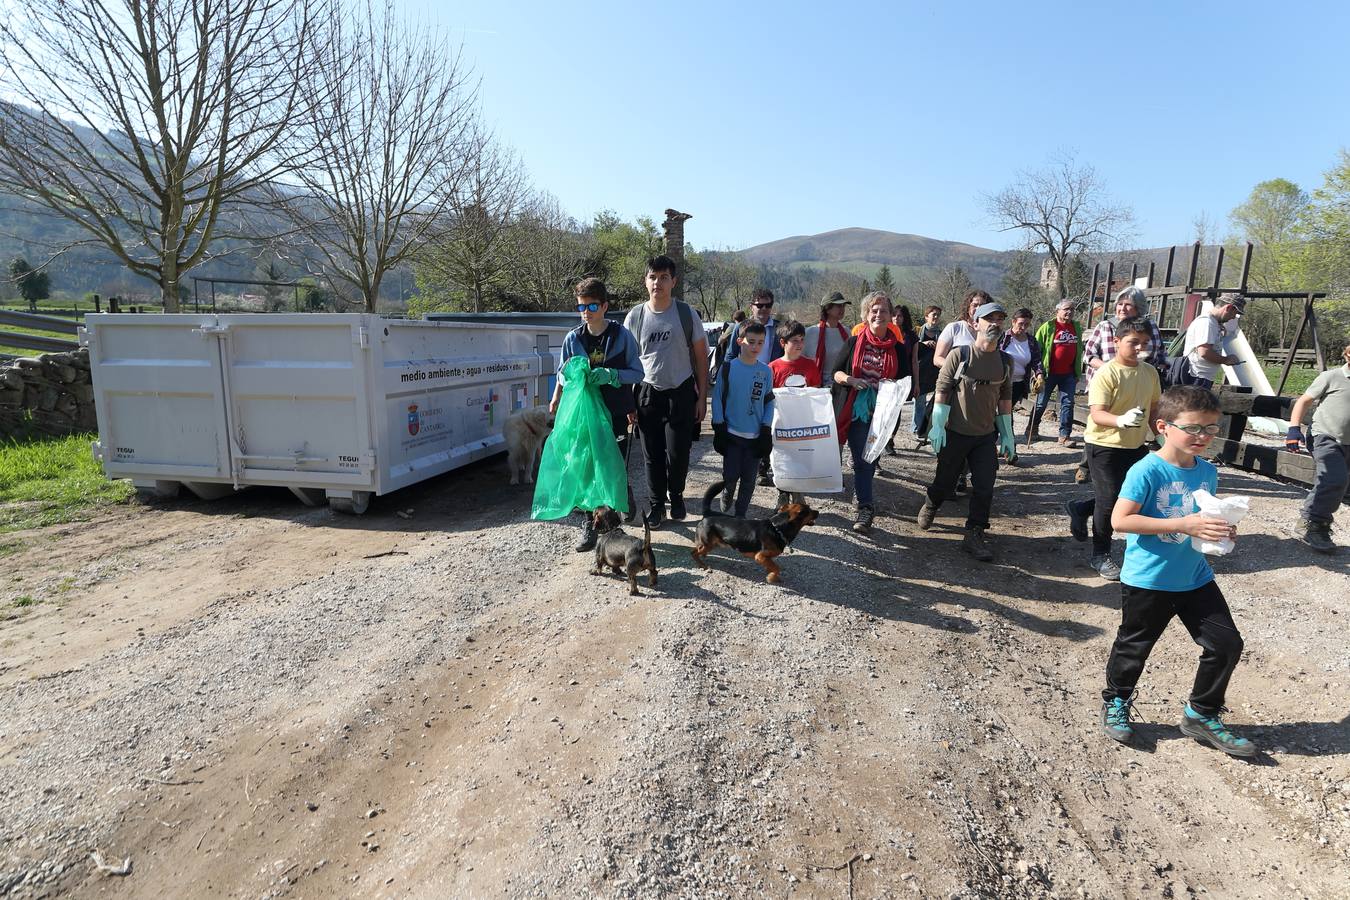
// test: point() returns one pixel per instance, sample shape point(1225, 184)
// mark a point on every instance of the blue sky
point(769, 120)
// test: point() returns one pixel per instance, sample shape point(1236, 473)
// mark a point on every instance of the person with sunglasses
point(615, 368)
point(1166, 577)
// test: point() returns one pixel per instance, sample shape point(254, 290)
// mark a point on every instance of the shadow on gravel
point(1307, 738)
point(1259, 552)
point(681, 585)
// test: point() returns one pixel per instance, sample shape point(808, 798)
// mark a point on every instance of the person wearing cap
point(823, 341)
point(1061, 357)
point(1204, 340)
point(972, 424)
point(1100, 347)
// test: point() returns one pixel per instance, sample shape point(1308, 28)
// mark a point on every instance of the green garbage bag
point(581, 467)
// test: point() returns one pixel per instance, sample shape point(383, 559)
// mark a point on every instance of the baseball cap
point(1235, 299)
point(988, 309)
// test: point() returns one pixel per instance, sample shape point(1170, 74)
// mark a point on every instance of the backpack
point(963, 353)
point(686, 322)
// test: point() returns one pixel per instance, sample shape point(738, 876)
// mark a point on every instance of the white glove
point(1130, 418)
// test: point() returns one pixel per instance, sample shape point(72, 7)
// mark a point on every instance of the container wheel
point(355, 505)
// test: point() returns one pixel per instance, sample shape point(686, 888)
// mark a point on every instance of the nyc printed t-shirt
point(1166, 562)
point(662, 348)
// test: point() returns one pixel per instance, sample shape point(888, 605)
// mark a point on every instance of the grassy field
point(1299, 379)
point(52, 480)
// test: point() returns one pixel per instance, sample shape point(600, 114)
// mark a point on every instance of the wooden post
point(1150, 273)
point(1316, 339)
point(1298, 336)
point(1092, 291)
point(1134, 271)
point(97, 304)
point(1246, 267)
point(1218, 272)
point(1167, 273)
point(1195, 263)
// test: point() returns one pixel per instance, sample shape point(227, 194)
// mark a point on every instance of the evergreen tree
point(884, 282)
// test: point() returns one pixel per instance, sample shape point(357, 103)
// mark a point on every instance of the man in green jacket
point(1061, 343)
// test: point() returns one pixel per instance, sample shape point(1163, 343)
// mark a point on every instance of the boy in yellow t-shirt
point(1121, 401)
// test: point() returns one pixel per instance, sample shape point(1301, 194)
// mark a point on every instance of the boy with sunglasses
point(1164, 576)
point(613, 353)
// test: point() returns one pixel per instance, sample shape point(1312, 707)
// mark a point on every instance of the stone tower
point(674, 230)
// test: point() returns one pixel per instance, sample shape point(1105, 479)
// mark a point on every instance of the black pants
point(981, 455)
point(1107, 466)
point(738, 471)
point(1204, 612)
point(666, 420)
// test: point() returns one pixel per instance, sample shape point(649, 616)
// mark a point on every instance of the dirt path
point(236, 698)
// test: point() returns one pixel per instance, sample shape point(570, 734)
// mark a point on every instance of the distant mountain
point(861, 251)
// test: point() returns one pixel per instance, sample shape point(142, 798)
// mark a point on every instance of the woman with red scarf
point(867, 358)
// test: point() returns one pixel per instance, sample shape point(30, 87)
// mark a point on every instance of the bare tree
point(390, 116)
point(547, 253)
point(1064, 210)
point(144, 121)
point(469, 250)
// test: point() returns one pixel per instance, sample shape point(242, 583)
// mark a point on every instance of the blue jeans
point(920, 424)
point(739, 465)
point(1066, 385)
point(862, 469)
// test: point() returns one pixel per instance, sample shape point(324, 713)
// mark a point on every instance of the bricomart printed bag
point(805, 454)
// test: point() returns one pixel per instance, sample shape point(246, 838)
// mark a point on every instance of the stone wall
point(51, 394)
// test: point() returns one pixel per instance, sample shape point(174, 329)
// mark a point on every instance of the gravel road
point(250, 698)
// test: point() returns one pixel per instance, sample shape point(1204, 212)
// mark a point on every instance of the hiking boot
point(1317, 535)
point(1078, 521)
point(587, 541)
point(1211, 730)
point(1116, 719)
point(961, 486)
point(677, 510)
point(1081, 476)
point(976, 545)
point(925, 517)
point(1105, 567)
point(862, 519)
point(890, 448)
point(656, 515)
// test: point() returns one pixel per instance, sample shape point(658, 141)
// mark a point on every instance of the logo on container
point(414, 421)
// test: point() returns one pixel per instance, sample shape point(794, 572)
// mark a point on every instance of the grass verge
point(47, 481)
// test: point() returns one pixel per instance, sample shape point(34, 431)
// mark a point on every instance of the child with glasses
point(1165, 577)
point(613, 354)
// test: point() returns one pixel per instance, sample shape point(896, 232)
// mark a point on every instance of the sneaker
point(890, 448)
point(961, 486)
point(1317, 535)
point(656, 515)
point(862, 520)
point(1116, 719)
point(728, 502)
point(925, 517)
point(677, 510)
point(976, 545)
point(1105, 567)
point(1078, 522)
point(1211, 730)
point(1081, 475)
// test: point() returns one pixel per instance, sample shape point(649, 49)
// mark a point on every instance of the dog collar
point(787, 545)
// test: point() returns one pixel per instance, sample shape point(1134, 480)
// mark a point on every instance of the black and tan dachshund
point(622, 552)
point(759, 539)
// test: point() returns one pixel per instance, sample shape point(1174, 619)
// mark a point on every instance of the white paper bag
point(805, 455)
point(890, 398)
point(1231, 509)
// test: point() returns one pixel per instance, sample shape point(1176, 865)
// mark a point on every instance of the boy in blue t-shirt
point(1164, 576)
point(742, 408)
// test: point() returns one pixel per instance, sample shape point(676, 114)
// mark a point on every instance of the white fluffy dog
point(524, 432)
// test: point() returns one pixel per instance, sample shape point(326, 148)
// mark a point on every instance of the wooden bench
point(1277, 356)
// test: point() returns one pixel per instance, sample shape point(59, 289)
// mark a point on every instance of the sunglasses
point(1197, 430)
point(762, 305)
point(588, 307)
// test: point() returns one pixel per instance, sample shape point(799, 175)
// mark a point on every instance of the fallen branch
point(386, 553)
point(158, 780)
point(839, 868)
point(122, 870)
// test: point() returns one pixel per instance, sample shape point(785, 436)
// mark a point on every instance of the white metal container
point(336, 406)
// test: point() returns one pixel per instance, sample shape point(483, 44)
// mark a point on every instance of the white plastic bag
point(1231, 509)
point(805, 455)
point(890, 398)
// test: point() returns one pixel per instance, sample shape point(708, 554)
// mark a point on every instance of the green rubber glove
point(937, 434)
point(603, 377)
point(1006, 442)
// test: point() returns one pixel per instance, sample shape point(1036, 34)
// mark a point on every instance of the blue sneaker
point(1211, 730)
point(1116, 720)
